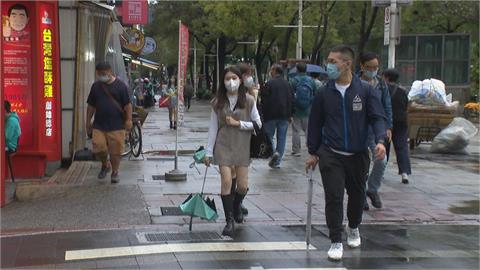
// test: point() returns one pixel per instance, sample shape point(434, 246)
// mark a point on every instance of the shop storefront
point(31, 82)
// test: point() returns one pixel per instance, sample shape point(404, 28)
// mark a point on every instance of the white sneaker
point(404, 178)
point(336, 251)
point(353, 237)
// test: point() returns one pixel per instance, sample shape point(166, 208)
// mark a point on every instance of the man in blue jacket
point(369, 73)
point(337, 141)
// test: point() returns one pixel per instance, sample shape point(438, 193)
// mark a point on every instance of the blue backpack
point(304, 94)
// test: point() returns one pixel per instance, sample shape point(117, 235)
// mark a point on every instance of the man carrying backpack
point(304, 89)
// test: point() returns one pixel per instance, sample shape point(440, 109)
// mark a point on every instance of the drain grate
point(172, 211)
point(151, 237)
point(158, 177)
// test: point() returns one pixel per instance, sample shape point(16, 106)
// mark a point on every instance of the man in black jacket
point(337, 142)
point(277, 101)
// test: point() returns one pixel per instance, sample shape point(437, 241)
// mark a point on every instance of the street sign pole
point(300, 30)
point(393, 34)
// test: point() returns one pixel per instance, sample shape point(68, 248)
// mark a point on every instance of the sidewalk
point(443, 189)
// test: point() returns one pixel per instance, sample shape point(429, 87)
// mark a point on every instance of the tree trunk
point(365, 30)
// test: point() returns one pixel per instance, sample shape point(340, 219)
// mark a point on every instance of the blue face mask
point(371, 74)
point(332, 71)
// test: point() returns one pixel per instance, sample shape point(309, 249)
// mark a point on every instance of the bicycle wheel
point(136, 139)
point(126, 148)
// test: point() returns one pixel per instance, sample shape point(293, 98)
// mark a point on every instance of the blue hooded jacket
point(342, 123)
point(12, 131)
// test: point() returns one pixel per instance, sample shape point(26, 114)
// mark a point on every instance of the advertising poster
point(16, 64)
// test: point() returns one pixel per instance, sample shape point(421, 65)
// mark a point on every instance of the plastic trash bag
point(455, 137)
point(429, 92)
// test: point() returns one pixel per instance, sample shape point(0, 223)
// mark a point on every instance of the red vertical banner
point(17, 64)
point(183, 50)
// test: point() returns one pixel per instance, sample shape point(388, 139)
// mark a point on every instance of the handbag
point(117, 105)
point(164, 102)
point(260, 146)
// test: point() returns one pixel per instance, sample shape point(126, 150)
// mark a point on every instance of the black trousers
point(188, 101)
point(340, 172)
point(400, 143)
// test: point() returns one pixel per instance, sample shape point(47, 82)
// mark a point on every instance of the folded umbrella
point(195, 204)
point(199, 207)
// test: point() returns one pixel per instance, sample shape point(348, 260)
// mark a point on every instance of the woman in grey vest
point(234, 118)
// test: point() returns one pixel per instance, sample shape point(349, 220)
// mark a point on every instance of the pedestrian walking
point(188, 95)
point(337, 142)
point(138, 92)
point(400, 127)
point(110, 103)
point(149, 93)
point(233, 118)
point(304, 91)
point(277, 109)
point(248, 81)
point(318, 83)
point(369, 64)
point(171, 93)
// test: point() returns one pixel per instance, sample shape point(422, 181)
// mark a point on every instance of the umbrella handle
point(204, 180)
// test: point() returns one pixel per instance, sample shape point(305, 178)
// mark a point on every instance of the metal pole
point(175, 174)
point(194, 67)
point(178, 100)
point(300, 29)
point(393, 25)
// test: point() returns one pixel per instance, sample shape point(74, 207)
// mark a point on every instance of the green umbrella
point(195, 204)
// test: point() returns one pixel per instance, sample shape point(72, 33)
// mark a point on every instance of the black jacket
point(342, 122)
point(276, 99)
point(399, 102)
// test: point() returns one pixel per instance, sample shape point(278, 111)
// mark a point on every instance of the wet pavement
point(383, 247)
point(431, 223)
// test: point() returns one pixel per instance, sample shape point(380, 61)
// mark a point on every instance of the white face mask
point(232, 85)
point(248, 82)
point(104, 78)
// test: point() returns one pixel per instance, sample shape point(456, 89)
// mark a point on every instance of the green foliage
point(247, 20)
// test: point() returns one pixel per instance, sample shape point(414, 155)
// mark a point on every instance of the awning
point(142, 61)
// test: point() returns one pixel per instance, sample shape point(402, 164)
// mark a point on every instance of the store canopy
point(142, 61)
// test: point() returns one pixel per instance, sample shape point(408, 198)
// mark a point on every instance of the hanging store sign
point(150, 46)
point(132, 39)
point(134, 12)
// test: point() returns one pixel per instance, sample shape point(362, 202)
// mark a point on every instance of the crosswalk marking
point(184, 247)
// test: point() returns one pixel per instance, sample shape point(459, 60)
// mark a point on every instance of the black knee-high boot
point(237, 207)
point(227, 201)
point(233, 190)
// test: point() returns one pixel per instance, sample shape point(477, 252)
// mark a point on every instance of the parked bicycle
point(133, 139)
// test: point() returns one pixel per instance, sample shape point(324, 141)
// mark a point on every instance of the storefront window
point(430, 48)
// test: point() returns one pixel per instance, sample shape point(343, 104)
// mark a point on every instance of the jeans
point(340, 173)
point(378, 169)
point(299, 123)
point(280, 127)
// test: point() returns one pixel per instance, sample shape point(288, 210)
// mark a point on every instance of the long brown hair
point(221, 98)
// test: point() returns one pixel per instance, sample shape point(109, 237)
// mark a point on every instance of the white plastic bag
point(429, 92)
point(455, 137)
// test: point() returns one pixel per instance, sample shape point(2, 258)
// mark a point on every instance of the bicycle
point(133, 139)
